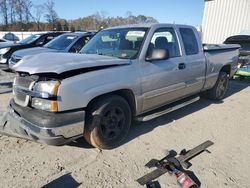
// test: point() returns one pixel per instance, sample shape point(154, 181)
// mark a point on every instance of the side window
point(79, 44)
point(165, 38)
point(189, 41)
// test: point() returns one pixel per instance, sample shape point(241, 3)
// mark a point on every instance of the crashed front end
point(33, 112)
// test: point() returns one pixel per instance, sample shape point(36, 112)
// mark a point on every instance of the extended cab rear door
point(195, 63)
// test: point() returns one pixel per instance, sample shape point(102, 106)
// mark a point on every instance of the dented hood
point(62, 62)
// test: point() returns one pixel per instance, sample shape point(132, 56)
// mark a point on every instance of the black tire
point(108, 121)
point(219, 90)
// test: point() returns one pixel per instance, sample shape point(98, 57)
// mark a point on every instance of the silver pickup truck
point(123, 73)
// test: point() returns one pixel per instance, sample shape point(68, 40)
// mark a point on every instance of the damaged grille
point(24, 82)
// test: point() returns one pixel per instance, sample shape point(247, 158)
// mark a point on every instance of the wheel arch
point(226, 69)
point(127, 94)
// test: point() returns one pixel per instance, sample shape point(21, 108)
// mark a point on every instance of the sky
point(165, 11)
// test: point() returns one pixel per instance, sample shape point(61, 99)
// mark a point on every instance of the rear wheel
point(219, 90)
point(108, 122)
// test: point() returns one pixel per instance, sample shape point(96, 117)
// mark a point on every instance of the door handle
point(182, 66)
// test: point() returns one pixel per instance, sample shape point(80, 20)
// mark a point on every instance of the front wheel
point(108, 121)
point(219, 90)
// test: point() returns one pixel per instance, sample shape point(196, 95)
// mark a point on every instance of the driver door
point(163, 81)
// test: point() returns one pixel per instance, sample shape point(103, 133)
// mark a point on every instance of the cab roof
point(147, 25)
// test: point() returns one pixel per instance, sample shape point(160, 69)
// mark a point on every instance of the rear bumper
point(50, 133)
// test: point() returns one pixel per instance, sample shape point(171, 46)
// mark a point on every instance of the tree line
point(23, 15)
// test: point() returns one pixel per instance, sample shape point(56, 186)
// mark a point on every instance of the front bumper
point(53, 129)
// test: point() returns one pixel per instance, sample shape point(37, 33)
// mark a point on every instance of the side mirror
point(158, 54)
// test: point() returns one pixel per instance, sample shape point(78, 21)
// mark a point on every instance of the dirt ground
point(28, 164)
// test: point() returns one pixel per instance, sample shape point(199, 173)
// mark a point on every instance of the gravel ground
point(28, 164)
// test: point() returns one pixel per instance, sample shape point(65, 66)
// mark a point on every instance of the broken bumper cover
point(50, 133)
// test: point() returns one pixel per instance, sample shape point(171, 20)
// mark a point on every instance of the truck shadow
point(81, 143)
point(140, 128)
point(64, 181)
point(237, 85)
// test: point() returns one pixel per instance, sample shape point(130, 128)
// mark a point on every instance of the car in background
point(68, 42)
point(11, 37)
point(4, 42)
point(244, 57)
point(7, 50)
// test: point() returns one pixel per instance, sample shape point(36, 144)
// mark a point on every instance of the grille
point(26, 83)
point(20, 97)
point(23, 81)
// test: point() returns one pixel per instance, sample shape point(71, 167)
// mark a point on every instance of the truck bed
point(215, 47)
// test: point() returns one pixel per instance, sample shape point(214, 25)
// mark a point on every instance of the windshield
point(122, 43)
point(61, 42)
point(30, 39)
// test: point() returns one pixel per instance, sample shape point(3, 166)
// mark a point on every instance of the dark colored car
point(244, 58)
point(68, 43)
point(11, 37)
point(32, 41)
